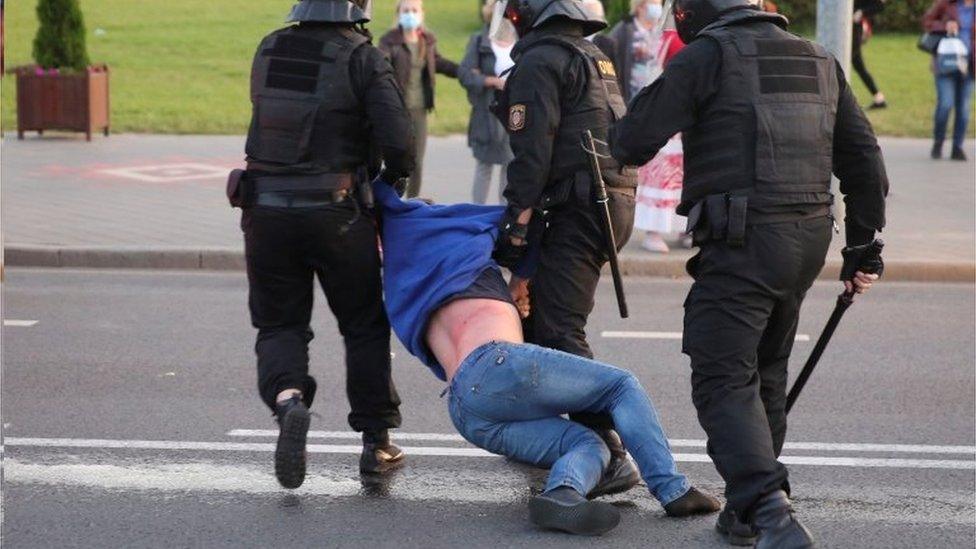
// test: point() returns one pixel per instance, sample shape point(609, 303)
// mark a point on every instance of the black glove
point(506, 253)
point(865, 258)
point(399, 184)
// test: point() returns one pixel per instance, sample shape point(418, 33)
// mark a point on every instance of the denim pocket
point(508, 376)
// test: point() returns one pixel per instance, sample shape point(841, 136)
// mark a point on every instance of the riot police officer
point(766, 117)
point(561, 86)
point(326, 114)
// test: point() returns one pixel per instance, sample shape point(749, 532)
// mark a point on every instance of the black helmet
point(331, 11)
point(691, 16)
point(529, 14)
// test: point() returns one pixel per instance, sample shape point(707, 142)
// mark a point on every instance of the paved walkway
point(165, 194)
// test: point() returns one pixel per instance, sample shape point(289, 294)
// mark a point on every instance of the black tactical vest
point(600, 105)
point(769, 129)
point(307, 117)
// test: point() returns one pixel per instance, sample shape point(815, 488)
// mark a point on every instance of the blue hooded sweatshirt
point(429, 254)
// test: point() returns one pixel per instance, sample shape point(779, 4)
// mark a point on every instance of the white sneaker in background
point(655, 244)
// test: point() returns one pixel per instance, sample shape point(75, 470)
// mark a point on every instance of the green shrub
point(899, 15)
point(60, 39)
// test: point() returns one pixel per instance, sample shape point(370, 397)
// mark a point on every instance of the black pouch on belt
point(716, 216)
point(736, 235)
point(238, 189)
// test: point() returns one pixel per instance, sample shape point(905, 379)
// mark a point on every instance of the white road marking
point(20, 323)
point(506, 484)
point(448, 452)
point(664, 335)
point(677, 443)
point(168, 173)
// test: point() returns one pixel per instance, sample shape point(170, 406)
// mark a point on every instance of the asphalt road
point(131, 420)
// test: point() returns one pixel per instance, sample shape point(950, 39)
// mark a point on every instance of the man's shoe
point(566, 510)
point(958, 154)
point(776, 525)
point(936, 153)
point(878, 105)
point(694, 502)
point(379, 454)
point(621, 475)
point(734, 530)
point(293, 420)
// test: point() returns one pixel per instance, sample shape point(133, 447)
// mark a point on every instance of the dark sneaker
point(734, 530)
point(379, 454)
point(566, 510)
point(936, 153)
point(878, 105)
point(777, 526)
point(621, 475)
point(694, 502)
point(290, 456)
point(958, 154)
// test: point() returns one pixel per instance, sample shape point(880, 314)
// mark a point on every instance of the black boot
point(621, 473)
point(379, 454)
point(694, 502)
point(566, 510)
point(734, 530)
point(293, 420)
point(958, 154)
point(776, 525)
point(936, 151)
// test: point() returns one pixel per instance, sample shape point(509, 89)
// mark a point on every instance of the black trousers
point(286, 249)
point(857, 61)
point(740, 323)
point(563, 288)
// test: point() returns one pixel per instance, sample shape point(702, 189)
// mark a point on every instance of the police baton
point(603, 202)
point(870, 263)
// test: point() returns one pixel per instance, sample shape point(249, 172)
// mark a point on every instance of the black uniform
point(562, 85)
point(766, 117)
point(326, 112)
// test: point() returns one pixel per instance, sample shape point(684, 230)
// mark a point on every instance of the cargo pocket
point(285, 129)
point(622, 205)
point(793, 146)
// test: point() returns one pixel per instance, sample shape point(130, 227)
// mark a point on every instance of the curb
point(232, 259)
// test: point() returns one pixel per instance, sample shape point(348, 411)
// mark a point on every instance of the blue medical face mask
point(654, 11)
point(410, 20)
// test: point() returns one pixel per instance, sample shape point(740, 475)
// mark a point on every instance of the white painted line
point(676, 443)
point(20, 323)
point(448, 452)
point(664, 335)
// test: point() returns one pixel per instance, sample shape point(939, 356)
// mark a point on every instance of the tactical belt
point(302, 191)
point(726, 216)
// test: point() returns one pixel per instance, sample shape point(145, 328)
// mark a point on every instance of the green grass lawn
point(181, 66)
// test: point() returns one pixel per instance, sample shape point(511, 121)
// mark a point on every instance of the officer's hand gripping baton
point(870, 263)
point(603, 205)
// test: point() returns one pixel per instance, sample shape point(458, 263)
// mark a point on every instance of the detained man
point(451, 308)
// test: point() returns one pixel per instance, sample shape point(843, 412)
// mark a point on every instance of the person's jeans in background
point(482, 181)
point(419, 119)
point(954, 91)
point(509, 398)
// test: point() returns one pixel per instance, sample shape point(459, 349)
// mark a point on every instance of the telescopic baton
point(870, 264)
point(603, 205)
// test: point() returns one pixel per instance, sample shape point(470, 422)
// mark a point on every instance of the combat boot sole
point(739, 539)
point(587, 518)
point(290, 455)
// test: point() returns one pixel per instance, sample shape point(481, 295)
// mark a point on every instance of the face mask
point(410, 20)
point(654, 11)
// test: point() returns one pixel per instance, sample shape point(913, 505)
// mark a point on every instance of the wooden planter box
point(73, 101)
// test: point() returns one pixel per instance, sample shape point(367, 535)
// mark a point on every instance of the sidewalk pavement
point(157, 202)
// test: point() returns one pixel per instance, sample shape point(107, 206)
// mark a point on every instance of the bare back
point(462, 326)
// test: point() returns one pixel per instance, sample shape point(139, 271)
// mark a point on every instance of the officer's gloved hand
point(862, 266)
point(398, 183)
point(512, 243)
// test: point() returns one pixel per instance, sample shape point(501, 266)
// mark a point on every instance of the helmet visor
point(502, 29)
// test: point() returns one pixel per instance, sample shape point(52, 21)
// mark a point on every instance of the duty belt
point(302, 191)
point(725, 216)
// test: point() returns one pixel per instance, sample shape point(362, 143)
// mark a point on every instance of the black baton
point(603, 204)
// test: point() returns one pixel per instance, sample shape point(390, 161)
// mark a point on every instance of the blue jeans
point(954, 91)
point(509, 398)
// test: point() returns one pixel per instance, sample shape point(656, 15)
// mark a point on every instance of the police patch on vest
point(516, 117)
point(607, 70)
